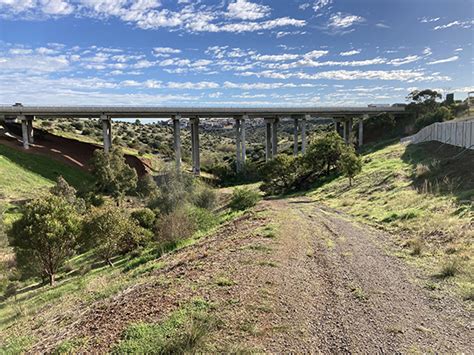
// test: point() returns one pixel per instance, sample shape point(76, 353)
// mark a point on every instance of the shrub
point(144, 217)
point(45, 236)
point(205, 197)
point(203, 218)
point(175, 226)
point(146, 186)
point(324, 151)
point(175, 190)
point(451, 267)
point(110, 231)
point(113, 175)
point(243, 198)
point(350, 163)
point(439, 115)
point(279, 174)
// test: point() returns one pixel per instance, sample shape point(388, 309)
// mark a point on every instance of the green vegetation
point(45, 236)
point(243, 198)
point(421, 193)
point(184, 331)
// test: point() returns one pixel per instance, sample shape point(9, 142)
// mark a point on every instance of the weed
point(450, 268)
point(16, 345)
point(183, 331)
point(358, 292)
point(416, 247)
point(70, 346)
point(224, 281)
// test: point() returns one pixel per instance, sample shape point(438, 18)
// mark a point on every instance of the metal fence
point(458, 133)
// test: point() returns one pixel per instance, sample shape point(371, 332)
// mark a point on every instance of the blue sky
point(232, 52)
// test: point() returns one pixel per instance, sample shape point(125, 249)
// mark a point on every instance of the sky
point(233, 52)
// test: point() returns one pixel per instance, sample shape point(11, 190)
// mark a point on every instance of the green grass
point(413, 203)
point(184, 331)
point(23, 173)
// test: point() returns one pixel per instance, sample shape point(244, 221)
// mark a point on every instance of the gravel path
point(303, 279)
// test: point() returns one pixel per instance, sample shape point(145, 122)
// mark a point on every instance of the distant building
point(378, 105)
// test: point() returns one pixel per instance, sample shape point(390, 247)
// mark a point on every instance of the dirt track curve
point(322, 284)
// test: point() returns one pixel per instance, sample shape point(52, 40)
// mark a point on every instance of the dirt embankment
point(300, 278)
point(69, 151)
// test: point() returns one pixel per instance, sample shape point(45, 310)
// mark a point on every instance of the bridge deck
point(167, 112)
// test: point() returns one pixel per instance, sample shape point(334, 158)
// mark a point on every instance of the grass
point(410, 192)
point(184, 331)
point(224, 281)
point(21, 173)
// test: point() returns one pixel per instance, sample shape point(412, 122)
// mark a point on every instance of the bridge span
point(340, 115)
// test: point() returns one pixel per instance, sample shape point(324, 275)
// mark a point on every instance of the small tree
point(63, 189)
point(350, 163)
point(146, 186)
point(279, 174)
point(110, 232)
point(324, 151)
point(113, 175)
point(45, 236)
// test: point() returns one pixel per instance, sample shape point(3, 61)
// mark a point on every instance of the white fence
point(459, 133)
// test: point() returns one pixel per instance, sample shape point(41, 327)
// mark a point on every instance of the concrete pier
point(361, 131)
point(29, 128)
point(106, 132)
point(195, 145)
point(295, 136)
point(241, 153)
point(24, 131)
point(268, 139)
point(177, 140)
point(303, 133)
point(275, 137)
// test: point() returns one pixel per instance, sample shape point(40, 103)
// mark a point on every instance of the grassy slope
point(428, 209)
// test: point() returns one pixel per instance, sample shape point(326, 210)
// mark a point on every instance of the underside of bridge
point(341, 116)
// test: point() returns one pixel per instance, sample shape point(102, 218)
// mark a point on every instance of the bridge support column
point(29, 128)
point(177, 141)
point(274, 137)
point(347, 130)
point(303, 133)
point(295, 136)
point(268, 139)
point(240, 141)
point(361, 130)
point(106, 132)
point(195, 145)
point(24, 131)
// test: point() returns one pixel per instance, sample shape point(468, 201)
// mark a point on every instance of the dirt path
point(302, 279)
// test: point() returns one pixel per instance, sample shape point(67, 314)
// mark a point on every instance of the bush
point(350, 163)
point(203, 218)
point(110, 231)
point(146, 186)
point(279, 174)
point(175, 226)
point(441, 114)
point(113, 175)
point(144, 217)
point(243, 198)
point(205, 197)
point(45, 236)
point(175, 190)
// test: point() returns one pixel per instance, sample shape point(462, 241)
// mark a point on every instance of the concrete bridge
point(342, 116)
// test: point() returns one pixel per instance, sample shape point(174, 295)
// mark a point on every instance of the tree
point(110, 231)
point(45, 236)
point(439, 115)
point(146, 186)
point(350, 163)
point(324, 151)
point(279, 174)
point(423, 101)
point(113, 175)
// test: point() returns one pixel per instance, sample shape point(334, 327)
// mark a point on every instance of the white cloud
point(427, 51)
point(246, 10)
point(343, 21)
point(382, 25)
point(460, 24)
point(277, 57)
point(320, 4)
point(165, 51)
point(401, 61)
point(447, 60)
point(351, 52)
point(428, 19)
point(56, 7)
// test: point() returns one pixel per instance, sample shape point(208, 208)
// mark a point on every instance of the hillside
point(304, 273)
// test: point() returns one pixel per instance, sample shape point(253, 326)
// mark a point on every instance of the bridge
point(341, 116)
